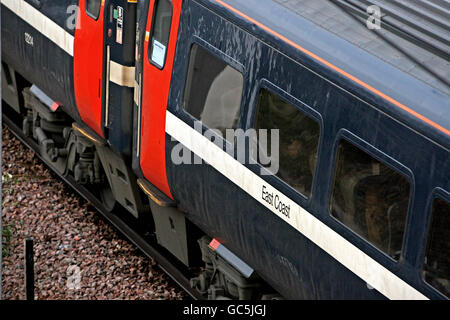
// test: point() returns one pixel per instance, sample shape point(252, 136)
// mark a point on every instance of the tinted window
point(213, 91)
point(299, 139)
point(93, 8)
point(160, 33)
point(437, 254)
point(370, 198)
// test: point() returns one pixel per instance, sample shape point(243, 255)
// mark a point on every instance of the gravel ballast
point(72, 242)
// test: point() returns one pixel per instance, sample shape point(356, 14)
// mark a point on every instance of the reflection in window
point(213, 91)
point(93, 8)
point(299, 139)
point(437, 255)
point(370, 198)
point(160, 33)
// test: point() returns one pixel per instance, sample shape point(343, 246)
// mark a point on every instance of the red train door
point(104, 59)
point(88, 62)
point(159, 51)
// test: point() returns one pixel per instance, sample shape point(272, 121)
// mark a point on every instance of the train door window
point(162, 21)
point(213, 91)
point(370, 198)
point(299, 139)
point(437, 254)
point(93, 8)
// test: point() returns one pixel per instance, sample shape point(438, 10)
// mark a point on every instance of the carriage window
point(370, 198)
point(213, 91)
point(299, 139)
point(437, 255)
point(93, 8)
point(160, 33)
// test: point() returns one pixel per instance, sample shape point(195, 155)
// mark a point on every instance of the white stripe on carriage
point(41, 23)
point(369, 270)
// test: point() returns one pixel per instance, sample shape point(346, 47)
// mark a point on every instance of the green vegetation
point(7, 234)
point(7, 230)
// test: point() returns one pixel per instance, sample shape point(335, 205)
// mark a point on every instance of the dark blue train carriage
point(354, 203)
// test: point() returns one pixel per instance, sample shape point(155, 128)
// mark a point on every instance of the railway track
point(144, 242)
